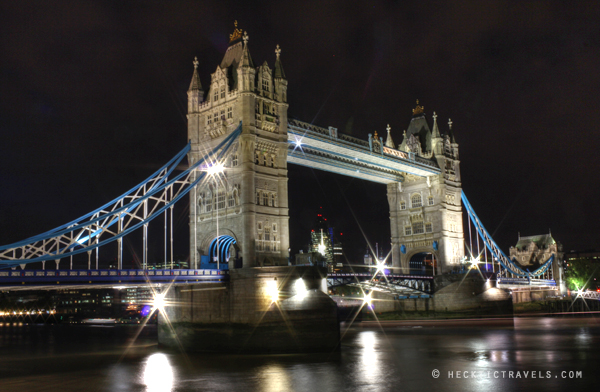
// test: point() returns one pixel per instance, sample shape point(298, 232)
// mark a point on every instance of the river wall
point(263, 309)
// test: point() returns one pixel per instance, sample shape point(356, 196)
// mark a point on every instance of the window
point(257, 198)
point(274, 227)
point(221, 201)
point(222, 92)
point(407, 230)
point(272, 200)
point(208, 204)
point(256, 157)
point(216, 96)
point(416, 201)
point(234, 160)
point(265, 199)
point(430, 200)
point(403, 205)
point(230, 200)
point(230, 112)
point(209, 119)
point(259, 225)
point(428, 227)
point(222, 114)
point(265, 84)
point(418, 228)
point(267, 234)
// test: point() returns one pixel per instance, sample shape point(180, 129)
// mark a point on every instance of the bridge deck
point(58, 279)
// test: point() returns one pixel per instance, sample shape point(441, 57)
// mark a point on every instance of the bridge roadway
point(13, 280)
point(335, 152)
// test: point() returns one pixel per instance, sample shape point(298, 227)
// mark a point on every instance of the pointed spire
point(278, 66)
point(450, 133)
point(402, 146)
point(389, 142)
point(436, 131)
point(246, 60)
point(195, 84)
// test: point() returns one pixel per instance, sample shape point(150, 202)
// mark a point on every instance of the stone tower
point(426, 213)
point(249, 201)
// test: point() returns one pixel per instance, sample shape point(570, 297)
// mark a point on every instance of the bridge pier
point(268, 309)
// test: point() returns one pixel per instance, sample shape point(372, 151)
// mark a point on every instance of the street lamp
point(215, 171)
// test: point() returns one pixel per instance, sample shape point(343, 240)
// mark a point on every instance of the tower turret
point(195, 92)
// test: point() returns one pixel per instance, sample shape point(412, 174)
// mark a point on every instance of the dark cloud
point(93, 98)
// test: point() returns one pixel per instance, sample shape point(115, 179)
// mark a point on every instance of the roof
point(418, 126)
point(541, 241)
point(233, 54)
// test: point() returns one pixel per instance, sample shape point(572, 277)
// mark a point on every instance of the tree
point(580, 274)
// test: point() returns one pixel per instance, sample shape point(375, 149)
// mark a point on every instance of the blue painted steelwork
point(504, 261)
point(224, 244)
point(76, 237)
point(71, 277)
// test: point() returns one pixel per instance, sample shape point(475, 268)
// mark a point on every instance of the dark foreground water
point(537, 354)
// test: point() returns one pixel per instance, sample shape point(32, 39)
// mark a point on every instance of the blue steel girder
point(317, 148)
point(123, 215)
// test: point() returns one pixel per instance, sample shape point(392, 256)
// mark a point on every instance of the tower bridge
point(240, 143)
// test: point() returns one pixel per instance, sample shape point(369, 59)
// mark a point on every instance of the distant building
point(536, 250)
point(324, 242)
point(533, 251)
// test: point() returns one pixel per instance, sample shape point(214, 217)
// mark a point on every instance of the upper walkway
point(328, 150)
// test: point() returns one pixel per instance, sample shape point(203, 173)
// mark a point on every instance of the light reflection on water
point(397, 358)
point(158, 374)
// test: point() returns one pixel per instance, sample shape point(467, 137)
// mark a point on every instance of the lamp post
point(215, 170)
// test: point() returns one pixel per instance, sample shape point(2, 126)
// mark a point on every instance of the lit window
point(416, 201)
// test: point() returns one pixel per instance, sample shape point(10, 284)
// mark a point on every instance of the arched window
point(416, 201)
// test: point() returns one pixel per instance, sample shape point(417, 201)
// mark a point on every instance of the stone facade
point(249, 200)
point(426, 212)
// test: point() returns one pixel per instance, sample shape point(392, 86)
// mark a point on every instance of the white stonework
point(252, 192)
point(427, 210)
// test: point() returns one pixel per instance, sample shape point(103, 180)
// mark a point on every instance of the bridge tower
point(425, 212)
point(249, 202)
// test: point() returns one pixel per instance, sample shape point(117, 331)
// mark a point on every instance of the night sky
point(93, 100)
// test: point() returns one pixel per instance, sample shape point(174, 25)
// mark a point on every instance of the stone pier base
point(260, 310)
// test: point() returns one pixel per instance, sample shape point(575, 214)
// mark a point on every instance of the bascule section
point(245, 198)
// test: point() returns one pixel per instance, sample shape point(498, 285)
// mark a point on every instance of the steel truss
point(497, 253)
point(116, 219)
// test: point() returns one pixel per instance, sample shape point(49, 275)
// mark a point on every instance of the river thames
point(534, 354)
